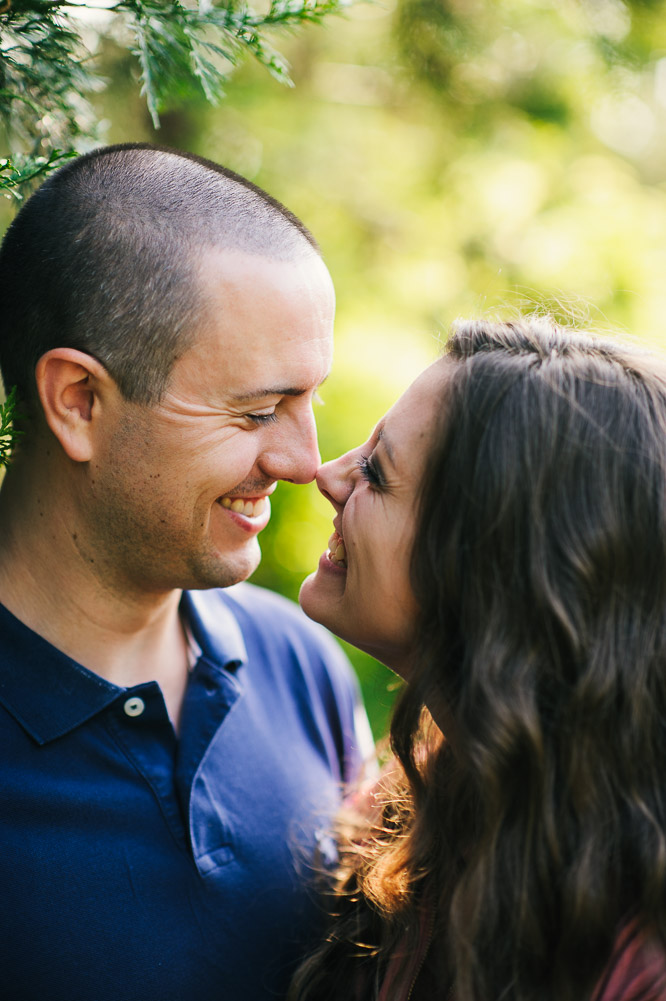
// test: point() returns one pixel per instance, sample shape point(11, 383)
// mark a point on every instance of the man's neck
point(45, 580)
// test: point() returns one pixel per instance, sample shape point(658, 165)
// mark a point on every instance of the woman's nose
point(334, 479)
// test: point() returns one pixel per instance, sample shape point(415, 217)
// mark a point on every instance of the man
point(169, 753)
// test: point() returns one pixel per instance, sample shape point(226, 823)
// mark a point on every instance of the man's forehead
point(267, 333)
point(228, 267)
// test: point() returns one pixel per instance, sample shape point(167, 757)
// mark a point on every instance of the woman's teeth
point(251, 509)
point(336, 551)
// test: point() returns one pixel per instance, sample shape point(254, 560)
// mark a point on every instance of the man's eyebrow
point(381, 436)
point(261, 394)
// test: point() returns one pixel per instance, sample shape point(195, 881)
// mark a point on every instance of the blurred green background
point(453, 158)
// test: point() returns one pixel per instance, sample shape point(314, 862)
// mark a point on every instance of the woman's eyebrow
point(381, 436)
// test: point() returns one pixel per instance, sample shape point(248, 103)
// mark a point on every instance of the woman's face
point(361, 589)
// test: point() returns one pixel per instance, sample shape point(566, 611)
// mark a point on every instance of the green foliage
point(44, 69)
point(47, 71)
point(16, 175)
point(192, 50)
point(9, 434)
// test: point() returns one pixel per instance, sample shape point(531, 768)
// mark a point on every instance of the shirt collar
point(214, 627)
point(47, 691)
point(50, 694)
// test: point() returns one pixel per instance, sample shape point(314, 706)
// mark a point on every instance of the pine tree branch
point(15, 175)
point(182, 51)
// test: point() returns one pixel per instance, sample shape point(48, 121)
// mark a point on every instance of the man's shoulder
point(262, 612)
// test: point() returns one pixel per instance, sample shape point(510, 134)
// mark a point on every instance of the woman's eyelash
point(369, 471)
point(262, 418)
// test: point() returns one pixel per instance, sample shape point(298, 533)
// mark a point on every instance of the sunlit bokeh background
point(453, 158)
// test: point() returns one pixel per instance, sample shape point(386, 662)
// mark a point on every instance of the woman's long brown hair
point(537, 827)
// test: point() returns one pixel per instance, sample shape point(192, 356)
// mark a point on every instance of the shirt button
point(134, 706)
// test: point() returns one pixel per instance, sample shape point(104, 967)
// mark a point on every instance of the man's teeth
point(336, 551)
point(251, 509)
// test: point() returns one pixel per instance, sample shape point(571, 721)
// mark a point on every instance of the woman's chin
point(325, 599)
point(315, 602)
point(322, 591)
point(304, 593)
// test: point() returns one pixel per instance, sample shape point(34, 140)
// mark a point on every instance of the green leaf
point(16, 174)
point(9, 435)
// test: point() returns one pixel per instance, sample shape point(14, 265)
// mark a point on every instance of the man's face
point(180, 490)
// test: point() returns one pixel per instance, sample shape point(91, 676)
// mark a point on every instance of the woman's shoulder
point(637, 970)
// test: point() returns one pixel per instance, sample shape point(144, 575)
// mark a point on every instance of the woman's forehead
point(410, 423)
point(424, 394)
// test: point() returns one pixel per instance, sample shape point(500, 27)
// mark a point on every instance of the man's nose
point(293, 453)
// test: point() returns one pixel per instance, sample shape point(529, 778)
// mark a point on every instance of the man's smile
point(251, 507)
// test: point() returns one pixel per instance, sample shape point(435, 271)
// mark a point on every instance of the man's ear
point(70, 384)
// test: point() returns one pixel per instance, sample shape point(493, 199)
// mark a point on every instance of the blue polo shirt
point(135, 866)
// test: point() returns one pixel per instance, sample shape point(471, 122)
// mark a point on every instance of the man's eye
point(262, 418)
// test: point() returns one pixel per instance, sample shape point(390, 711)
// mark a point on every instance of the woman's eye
point(262, 418)
point(369, 471)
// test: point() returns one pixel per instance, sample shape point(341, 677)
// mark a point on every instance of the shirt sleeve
point(359, 752)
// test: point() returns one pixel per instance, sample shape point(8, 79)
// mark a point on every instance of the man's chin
point(226, 570)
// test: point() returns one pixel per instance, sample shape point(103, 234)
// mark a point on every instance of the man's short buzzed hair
point(103, 258)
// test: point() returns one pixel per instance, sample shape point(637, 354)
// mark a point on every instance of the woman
point(500, 542)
